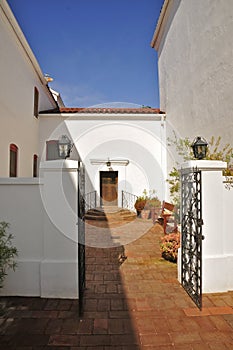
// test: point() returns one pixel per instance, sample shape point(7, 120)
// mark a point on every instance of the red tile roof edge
point(142, 110)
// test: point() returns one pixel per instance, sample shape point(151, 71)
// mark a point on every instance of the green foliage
point(183, 147)
point(215, 151)
point(147, 201)
point(153, 203)
point(169, 245)
point(7, 252)
point(174, 185)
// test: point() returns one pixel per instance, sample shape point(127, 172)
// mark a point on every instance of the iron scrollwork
point(192, 234)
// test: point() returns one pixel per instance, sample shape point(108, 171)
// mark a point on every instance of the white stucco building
point(194, 44)
point(126, 147)
point(38, 190)
point(24, 92)
point(132, 139)
point(134, 134)
point(193, 39)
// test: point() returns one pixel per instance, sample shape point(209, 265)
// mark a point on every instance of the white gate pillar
point(59, 268)
point(214, 257)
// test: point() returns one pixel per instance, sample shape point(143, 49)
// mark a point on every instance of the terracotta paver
point(136, 303)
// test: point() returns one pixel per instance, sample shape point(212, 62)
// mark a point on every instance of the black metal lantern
point(199, 147)
point(64, 146)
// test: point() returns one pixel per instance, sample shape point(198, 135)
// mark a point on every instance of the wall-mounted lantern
point(199, 147)
point(64, 146)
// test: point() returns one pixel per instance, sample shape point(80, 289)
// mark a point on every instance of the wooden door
point(109, 187)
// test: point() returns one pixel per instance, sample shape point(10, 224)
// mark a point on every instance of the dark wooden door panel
point(109, 187)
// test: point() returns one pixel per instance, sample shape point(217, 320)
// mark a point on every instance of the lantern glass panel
point(199, 147)
point(64, 146)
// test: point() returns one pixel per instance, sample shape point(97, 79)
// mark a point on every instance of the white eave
point(106, 116)
point(158, 29)
point(57, 97)
point(24, 44)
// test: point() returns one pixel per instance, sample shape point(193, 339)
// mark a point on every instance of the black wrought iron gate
point(81, 234)
point(191, 208)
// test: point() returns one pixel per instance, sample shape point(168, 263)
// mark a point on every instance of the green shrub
point(147, 201)
point(169, 245)
point(215, 151)
point(7, 251)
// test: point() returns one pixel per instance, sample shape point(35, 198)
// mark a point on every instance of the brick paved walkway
point(134, 304)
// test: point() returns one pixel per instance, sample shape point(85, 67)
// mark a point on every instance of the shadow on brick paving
point(41, 323)
point(132, 303)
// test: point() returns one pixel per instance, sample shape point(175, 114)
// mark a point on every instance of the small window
point(13, 160)
point(35, 165)
point(52, 152)
point(36, 102)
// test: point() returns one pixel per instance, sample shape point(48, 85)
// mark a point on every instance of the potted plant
point(147, 205)
point(145, 213)
point(154, 205)
point(140, 204)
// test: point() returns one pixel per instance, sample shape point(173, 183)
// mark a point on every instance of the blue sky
point(97, 51)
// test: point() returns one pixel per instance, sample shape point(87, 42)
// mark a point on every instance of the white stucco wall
point(21, 207)
point(59, 266)
point(19, 73)
point(42, 214)
point(217, 245)
point(195, 65)
point(142, 142)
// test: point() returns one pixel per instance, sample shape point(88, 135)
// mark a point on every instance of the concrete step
point(110, 214)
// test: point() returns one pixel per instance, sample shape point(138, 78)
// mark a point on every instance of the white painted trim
point(205, 165)
point(63, 164)
point(160, 24)
point(105, 116)
point(20, 181)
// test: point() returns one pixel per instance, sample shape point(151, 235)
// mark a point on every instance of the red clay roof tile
point(142, 110)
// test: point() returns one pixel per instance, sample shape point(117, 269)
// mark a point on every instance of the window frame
point(36, 102)
point(35, 166)
point(14, 150)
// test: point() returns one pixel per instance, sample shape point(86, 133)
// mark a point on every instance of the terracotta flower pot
point(145, 214)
